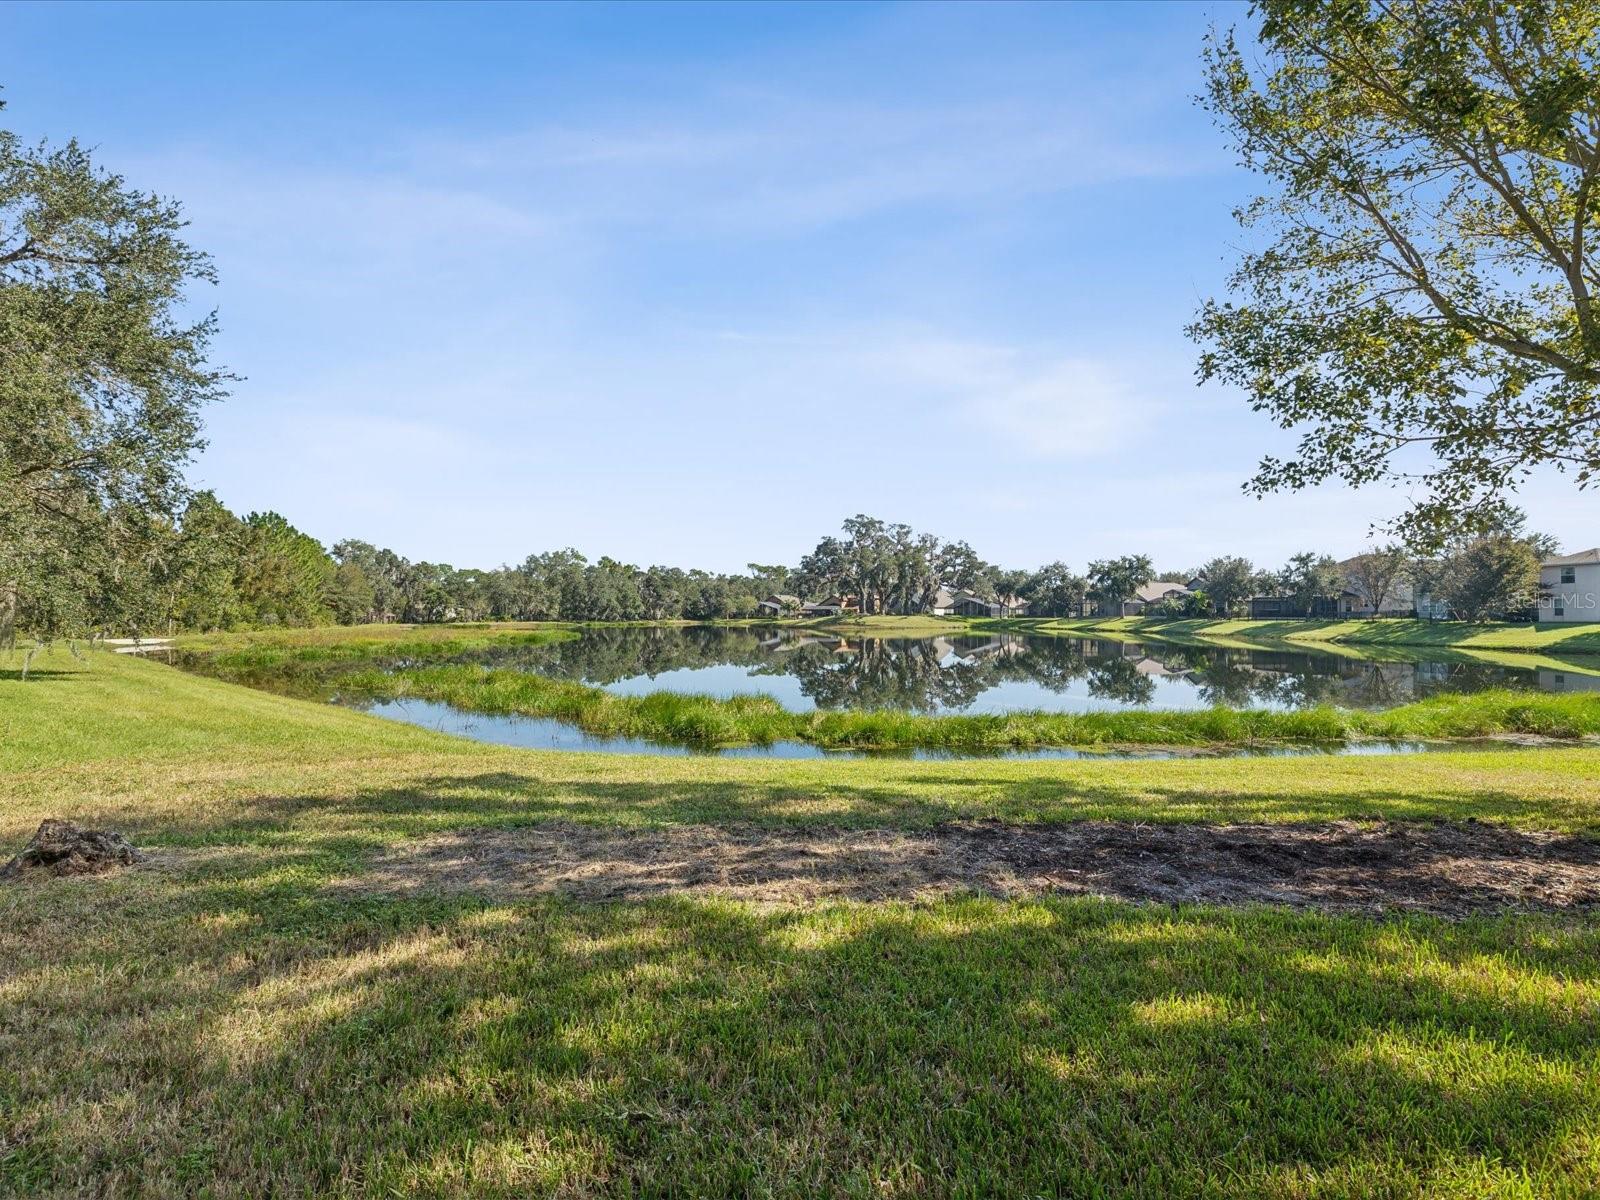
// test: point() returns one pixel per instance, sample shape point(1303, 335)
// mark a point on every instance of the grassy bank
point(173, 755)
point(701, 720)
point(340, 642)
point(1565, 639)
point(244, 1019)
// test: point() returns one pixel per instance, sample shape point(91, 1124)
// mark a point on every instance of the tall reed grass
point(702, 720)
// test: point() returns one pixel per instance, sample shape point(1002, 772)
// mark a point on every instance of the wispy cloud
point(1034, 402)
point(758, 161)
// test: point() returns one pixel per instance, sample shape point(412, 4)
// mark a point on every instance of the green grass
point(141, 745)
point(1567, 639)
point(919, 625)
point(346, 641)
point(234, 1023)
point(701, 720)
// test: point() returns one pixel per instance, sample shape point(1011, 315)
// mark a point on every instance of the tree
point(1230, 582)
point(1055, 591)
point(101, 387)
point(661, 593)
point(889, 568)
point(383, 570)
point(1377, 573)
point(1008, 586)
point(284, 575)
point(957, 566)
point(1432, 219)
point(351, 594)
point(768, 579)
point(1493, 576)
point(1307, 578)
point(201, 581)
point(1114, 580)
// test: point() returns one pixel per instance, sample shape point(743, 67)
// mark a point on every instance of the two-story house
point(1569, 587)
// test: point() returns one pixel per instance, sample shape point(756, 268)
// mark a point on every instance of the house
point(777, 604)
point(968, 605)
point(1568, 681)
point(1148, 595)
point(1277, 608)
point(1354, 601)
point(1569, 587)
point(1403, 599)
point(962, 603)
point(831, 606)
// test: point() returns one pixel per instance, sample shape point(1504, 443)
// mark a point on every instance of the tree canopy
point(103, 382)
point(1422, 306)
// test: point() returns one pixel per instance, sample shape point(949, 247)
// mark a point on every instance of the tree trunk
point(8, 615)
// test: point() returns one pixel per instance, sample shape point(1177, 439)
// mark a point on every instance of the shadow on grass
point(508, 798)
point(242, 1024)
point(15, 675)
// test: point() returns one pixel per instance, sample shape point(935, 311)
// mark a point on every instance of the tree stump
point(62, 848)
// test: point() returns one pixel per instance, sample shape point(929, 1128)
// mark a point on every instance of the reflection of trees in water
point(606, 654)
point(1289, 679)
point(882, 673)
point(951, 673)
point(1120, 679)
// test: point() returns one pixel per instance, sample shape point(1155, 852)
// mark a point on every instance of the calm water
point(987, 674)
point(1006, 672)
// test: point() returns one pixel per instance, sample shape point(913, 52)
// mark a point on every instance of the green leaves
point(1420, 306)
point(101, 391)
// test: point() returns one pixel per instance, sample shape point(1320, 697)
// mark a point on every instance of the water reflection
point(541, 733)
point(1006, 672)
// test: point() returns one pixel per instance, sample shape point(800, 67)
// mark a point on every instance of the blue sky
point(691, 284)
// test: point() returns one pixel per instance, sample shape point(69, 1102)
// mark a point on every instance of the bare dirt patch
point(1449, 870)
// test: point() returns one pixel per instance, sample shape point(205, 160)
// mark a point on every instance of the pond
point(806, 670)
point(1005, 672)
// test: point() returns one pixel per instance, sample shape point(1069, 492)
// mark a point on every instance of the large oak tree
point(102, 379)
point(1421, 305)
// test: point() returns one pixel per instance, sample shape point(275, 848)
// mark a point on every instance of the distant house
point(779, 603)
point(1148, 595)
point(1402, 600)
point(1276, 608)
point(831, 606)
point(962, 603)
point(1569, 587)
point(968, 605)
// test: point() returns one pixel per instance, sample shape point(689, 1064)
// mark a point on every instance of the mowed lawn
point(242, 1018)
point(1563, 638)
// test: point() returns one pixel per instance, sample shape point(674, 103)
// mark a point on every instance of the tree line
point(212, 570)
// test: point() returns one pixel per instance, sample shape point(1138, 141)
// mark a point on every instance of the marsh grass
point(693, 719)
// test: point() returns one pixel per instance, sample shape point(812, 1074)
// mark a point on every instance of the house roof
point(782, 598)
point(1156, 589)
point(1581, 558)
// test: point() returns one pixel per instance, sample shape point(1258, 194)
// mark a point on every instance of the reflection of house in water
point(953, 651)
point(1568, 681)
point(1154, 668)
